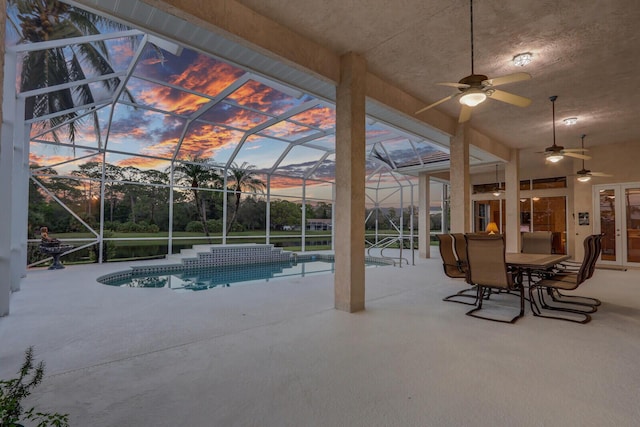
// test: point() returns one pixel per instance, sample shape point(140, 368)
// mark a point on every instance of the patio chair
point(566, 281)
point(449, 259)
point(460, 246)
point(537, 242)
point(592, 250)
point(453, 268)
point(487, 270)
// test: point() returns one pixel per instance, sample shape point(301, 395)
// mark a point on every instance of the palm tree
point(243, 180)
point(44, 20)
point(198, 173)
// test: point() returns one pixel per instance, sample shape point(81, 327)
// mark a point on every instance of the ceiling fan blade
point(600, 174)
point(509, 78)
point(577, 156)
point(437, 103)
point(509, 98)
point(575, 150)
point(456, 85)
point(465, 114)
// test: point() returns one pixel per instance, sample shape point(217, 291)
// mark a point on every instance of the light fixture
point(555, 158)
point(497, 190)
point(492, 228)
point(535, 199)
point(473, 97)
point(584, 175)
point(522, 59)
point(570, 121)
point(554, 153)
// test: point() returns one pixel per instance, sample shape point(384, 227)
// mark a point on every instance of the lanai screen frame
point(385, 159)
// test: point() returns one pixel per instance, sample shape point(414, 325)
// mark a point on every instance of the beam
point(240, 24)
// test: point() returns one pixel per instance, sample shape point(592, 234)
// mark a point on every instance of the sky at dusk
point(192, 105)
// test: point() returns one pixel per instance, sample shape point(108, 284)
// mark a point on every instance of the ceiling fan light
point(522, 59)
point(584, 178)
point(473, 97)
point(555, 158)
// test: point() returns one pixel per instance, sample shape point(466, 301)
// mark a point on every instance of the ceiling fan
point(555, 153)
point(584, 175)
point(476, 88)
point(497, 190)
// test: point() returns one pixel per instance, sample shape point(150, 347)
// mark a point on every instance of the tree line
point(137, 200)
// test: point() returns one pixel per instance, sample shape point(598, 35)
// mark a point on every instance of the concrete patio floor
point(279, 354)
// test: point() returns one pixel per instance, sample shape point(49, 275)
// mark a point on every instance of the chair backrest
point(449, 260)
point(486, 261)
point(537, 242)
point(589, 259)
point(460, 245)
point(597, 249)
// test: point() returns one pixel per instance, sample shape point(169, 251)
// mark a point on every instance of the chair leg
point(472, 313)
point(557, 296)
point(463, 294)
point(568, 306)
point(535, 309)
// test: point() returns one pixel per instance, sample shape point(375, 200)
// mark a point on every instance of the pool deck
point(279, 354)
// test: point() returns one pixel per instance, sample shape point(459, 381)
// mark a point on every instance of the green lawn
point(280, 238)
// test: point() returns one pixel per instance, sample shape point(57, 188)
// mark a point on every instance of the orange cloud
point(143, 163)
point(42, 160)
point(286, 130)
point(205, 140)
point(279, 181)
point(198, 76)
point(169, 99)
point(235, 117)
point(320, 117)
point(263, 98)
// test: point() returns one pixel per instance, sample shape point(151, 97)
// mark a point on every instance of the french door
point(617, 215)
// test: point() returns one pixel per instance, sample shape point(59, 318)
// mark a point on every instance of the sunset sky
point(193, 105)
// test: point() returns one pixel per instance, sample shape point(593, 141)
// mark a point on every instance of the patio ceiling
point(584, 53)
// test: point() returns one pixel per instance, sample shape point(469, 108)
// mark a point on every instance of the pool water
point(224, 276)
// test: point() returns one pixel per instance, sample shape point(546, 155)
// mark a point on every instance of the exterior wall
point(620, 160)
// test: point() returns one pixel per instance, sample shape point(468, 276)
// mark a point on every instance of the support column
point(350, 190)
point(20, 203)
point(7, 180)
point(512, 195)
point(424, 223)
point(460, 181)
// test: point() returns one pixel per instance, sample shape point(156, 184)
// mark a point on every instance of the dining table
point(534, 261)
point(525, 263)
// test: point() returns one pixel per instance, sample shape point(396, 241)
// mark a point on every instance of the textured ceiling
point(585, 52)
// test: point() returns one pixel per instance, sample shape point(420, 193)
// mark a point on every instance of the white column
point(512, 195)
point(20, 204)
point(8, 191)
point(303, 230)
point(460, 181)
point(424, 224)
point(350, 189)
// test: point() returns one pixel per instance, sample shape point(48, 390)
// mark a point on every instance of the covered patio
point(279, 354)
point(288, 352)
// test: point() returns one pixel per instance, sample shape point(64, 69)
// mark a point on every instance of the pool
point(224, 276)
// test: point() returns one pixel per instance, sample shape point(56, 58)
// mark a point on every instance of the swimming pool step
point(213, 255)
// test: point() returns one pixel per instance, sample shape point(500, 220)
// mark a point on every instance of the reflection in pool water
point(223, 276)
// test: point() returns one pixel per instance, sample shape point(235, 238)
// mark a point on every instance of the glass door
point(617, 209)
